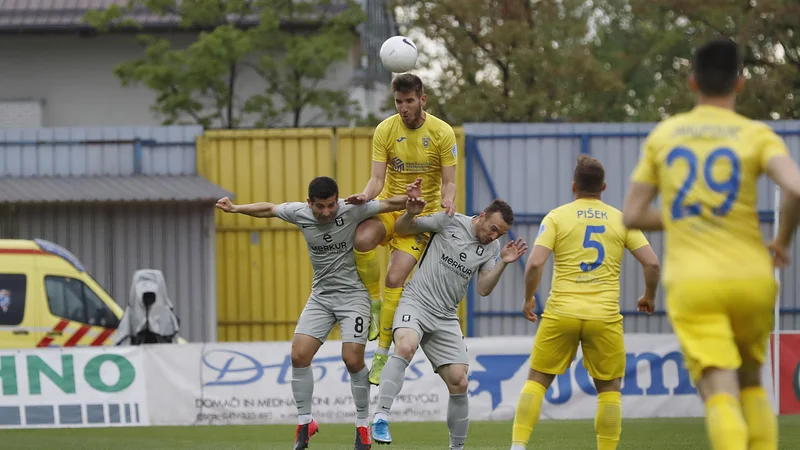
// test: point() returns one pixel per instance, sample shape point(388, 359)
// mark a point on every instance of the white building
point(56, 71)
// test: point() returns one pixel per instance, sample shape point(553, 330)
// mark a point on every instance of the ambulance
point(48, 299)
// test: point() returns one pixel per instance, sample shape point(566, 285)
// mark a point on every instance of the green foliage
point(605, 60)
point(290, 44)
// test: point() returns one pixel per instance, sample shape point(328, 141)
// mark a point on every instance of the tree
point(510, 60)
point(651, 43)
point(289, 44)
point(599, 61)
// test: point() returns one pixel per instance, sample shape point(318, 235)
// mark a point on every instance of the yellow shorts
point(413, 245)
point(557, 342)
point(722, 324)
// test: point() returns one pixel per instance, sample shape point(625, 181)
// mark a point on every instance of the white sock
point(380, 416)
point(382, 351)
point(362, 423)
point(517, 447)
point(303, 419)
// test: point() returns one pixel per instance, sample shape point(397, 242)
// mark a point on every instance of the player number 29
point(730, 187)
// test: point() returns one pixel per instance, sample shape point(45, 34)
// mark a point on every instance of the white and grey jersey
point(453, 256)
point(330, 245)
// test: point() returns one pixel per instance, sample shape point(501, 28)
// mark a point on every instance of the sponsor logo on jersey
point(397, 164)
point(455, 266)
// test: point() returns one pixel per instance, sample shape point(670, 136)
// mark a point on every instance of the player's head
point(589, 179)
point(323, 198)
point(409, 98)
point(494, 221)
point(716, 71)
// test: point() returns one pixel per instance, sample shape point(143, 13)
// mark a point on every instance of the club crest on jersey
point(406, 318)
point(397, 164)
point(5, 299)
point(425, 142)
point(339, 221)
point(479, 251)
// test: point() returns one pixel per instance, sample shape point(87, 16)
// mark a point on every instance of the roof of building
point(109, 189)
point(66, 15)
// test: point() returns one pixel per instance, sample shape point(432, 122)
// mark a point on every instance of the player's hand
point(449, 207)
point(414, 190)
point(527, 310)
point(646, 305)
point(415, 206)
point(780, 254)
point(356, 199)
point(226, 205)
point(513, 251)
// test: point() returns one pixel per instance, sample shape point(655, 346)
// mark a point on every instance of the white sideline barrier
point(250, 383)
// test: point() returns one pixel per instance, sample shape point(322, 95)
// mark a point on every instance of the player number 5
point(589, 243)
point(729, 187)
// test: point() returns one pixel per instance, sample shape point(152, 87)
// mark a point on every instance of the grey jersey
point(453, 256)
point(330, 245)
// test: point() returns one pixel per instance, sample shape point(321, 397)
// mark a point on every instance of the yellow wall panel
point(263, 271)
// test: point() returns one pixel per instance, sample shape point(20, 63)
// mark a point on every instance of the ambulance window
point(73, 300)
point(12, 298)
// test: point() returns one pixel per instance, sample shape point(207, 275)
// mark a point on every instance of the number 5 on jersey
point(588, 242)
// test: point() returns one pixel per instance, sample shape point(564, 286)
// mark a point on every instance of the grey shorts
point(440, 339)
point(319, 317)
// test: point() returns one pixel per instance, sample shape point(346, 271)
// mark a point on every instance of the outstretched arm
point(638, 212)
point(487, 279)
point(396, 203)
point(264, 210)
point(652, 271)
point(408, 223)
point(533, 276)
point(449, 189)
point(374, 185)
point(784, 172)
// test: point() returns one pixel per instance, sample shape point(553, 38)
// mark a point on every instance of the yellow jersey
point(706, 164)
point(410, 154)
point(588, 242)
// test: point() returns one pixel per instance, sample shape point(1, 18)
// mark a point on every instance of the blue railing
point(138, 146)
point(474, 156)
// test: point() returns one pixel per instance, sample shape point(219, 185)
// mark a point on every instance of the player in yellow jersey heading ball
point(718, 274)
point(588, 241)
point(409, 145)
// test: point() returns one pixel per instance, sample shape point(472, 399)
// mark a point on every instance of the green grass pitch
point(640, 434)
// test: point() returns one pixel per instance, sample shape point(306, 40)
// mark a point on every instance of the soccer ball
point(398, 54)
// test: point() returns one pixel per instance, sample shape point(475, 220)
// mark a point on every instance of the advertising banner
point(250, 383)
point(73, 387)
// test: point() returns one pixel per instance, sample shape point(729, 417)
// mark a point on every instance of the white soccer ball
point(398, 54)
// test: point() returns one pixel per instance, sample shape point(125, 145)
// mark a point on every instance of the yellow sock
point(762, 425)
point(370, 272)
point(529, 407)
point(608, 421)
point(391, 298)
point(727, 429)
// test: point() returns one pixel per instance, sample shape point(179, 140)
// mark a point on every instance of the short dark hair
point(589, 175)
point(499, 206)
point(321, 188)
point(406, 83)
point(717, 65)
